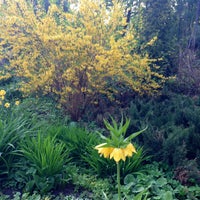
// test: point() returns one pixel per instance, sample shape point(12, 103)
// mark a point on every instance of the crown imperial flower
point(117, 147)
point(118, 154)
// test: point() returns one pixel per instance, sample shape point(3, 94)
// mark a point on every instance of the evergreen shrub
point(173, 134)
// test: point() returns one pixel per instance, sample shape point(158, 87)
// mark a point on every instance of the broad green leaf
point(129, 179)
point(167, 196)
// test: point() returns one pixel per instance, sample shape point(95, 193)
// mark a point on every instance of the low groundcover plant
point(118, 146)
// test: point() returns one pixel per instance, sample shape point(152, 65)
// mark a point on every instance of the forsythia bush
point(77, 55)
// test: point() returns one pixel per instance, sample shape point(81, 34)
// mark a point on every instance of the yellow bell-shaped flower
point(117, 154)
point(129, 150)
point(105, 151)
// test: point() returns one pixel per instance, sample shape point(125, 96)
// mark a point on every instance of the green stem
point(118, 181)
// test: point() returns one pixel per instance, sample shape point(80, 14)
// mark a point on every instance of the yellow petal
point(106, 151)
point(129, 150)
point(117, 154)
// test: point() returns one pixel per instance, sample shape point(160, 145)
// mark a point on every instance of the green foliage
point(16, 123)
point(106, 167)
point(82, 143)
point(37, 196)
point(27, 196)
point(118, 132)
point(156, 22)
point(47, 157)
point(95, 188)
point(77, 139)
point(42, 110)
point(134, 163)
point(6, 148)
point(153, 183)
point(173, 127)
point(13, 127)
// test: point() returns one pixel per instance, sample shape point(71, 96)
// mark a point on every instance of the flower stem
point(118, 181)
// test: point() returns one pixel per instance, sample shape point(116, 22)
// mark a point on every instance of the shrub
point(173, 127)
point(101, 59)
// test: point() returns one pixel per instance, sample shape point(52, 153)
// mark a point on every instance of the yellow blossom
point(0, 102)
point(105, 151)
point(2, 92)
point(118, 154)
point(7, 105)
point(17, 103)
point(129, 150)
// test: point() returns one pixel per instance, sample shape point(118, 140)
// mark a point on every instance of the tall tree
point(188, 17)
point(159, 21)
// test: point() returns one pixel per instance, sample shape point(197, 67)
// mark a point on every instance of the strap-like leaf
point(133, 135)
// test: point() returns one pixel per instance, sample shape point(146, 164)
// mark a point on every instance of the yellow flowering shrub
point(77, 55)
